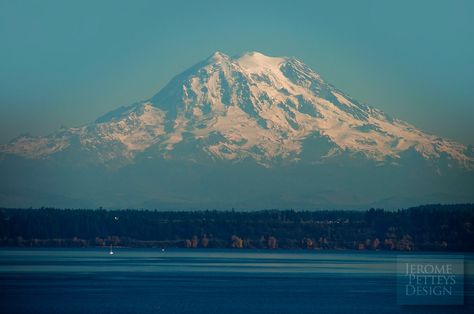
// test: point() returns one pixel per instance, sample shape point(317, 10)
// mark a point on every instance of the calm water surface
point(205, 281)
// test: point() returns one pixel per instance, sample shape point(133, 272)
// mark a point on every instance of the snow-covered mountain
point(271, 111)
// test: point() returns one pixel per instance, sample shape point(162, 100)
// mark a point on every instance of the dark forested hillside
point(430, 227)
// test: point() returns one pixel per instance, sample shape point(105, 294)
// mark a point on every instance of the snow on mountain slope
point(252, 106)
point(134, 131)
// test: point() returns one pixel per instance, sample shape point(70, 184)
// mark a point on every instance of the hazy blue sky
point(67, 62)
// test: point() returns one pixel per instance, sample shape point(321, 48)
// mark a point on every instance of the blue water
point(205, 281)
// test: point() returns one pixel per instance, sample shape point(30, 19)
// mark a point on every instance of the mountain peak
point(253, 54)
point(218, 56)
point(256, 61)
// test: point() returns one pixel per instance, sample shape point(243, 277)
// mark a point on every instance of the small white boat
point(111, 252)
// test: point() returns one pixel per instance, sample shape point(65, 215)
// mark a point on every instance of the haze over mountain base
point(165, 184)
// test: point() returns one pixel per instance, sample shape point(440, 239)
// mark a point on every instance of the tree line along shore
point(423, 228)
